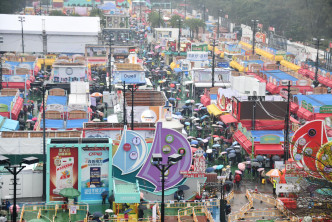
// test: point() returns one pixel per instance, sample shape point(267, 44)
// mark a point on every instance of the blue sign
point(130, 77)
point(223, 64)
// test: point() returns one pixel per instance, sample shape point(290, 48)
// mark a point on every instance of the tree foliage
point(300, 20)
point(194, 24)
point(56, 13)
point(154, 19)
point(11, 6)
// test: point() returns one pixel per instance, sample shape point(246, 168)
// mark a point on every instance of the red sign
point(126, 147)
point(192, 174)
point(63, 171)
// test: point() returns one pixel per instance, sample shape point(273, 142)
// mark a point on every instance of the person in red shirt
point(237, 180)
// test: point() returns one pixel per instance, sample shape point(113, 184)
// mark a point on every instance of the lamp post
point(253, 35)
point(110, 63)
point(157, 159)
point(40, 85)
point(132, 89)
point(179, 37)
point(15, 170)
point(1, 41)
point(316, 82)
point(124, 104)
point(22, 19)
point(213, 61)
point(219, 11)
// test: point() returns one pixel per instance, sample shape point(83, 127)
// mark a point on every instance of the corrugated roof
point(73, 25)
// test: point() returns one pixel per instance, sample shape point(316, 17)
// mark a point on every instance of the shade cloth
point(228, 119)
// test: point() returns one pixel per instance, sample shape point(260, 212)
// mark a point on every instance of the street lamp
point(316, 82)
point(22, 19)
point(1, 41)
point(156, 161)
point(40, 85)
point(15, 170)
point(219, 11)
point(213, 60)
point(132, 89)
point(253, 35)
point(179, 36)
point(110, 38)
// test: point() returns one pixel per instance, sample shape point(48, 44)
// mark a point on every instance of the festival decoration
point(324, 161)
point(131, 153)
point(167, 142)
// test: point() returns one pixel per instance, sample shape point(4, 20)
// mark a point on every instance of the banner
point(63, 170)
point(94, 172)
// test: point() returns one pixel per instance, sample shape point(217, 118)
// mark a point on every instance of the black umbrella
point(105, 193)
point(276, 158)
point(231, 155)
point(127, 211)
point(183, 187)
point(97, 214)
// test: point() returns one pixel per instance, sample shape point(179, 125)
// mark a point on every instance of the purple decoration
point(167, 142)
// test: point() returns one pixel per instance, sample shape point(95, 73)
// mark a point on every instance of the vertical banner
point(63, 170)
point(94, 172)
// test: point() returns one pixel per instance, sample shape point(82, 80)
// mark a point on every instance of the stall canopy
point(214, 110)
point(228, 119)
point(243, 141)
point(8, 124)
point(305, 114)
point(294, 107)
point(177, 70)
point(127, 193)
point(272, 88)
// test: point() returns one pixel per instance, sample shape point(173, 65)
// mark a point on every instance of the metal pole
point(218, 24)
point(286, 140)
point(140, 12)
point(40, 9)
point(213, 57)
point(162, 193)
point(159, 17)
point(14, 207)
point(179, 37)
point(44, 146)
point(253, 37)
point(124, 104)
point(185, 9)
point(110, 66)
point(0, 71)
point(316, 83)
point(222, 204)
point(22, 19)
point(253, 115)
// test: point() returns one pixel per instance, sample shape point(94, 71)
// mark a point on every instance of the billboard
point(69, 74)
point(130, 77)
point(94, 172)
point(63, 171)
point(205, 75)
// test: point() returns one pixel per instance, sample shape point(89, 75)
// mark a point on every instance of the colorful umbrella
point(273, 173)
point(241, 166)
point(260, 169)
point(96, 94)
point(238, 172)
point(70, 193)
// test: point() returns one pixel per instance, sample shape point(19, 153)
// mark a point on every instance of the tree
point(154, 19)
point(56, 13)
point(174, 21)
point(194, 24)
point(11, 6)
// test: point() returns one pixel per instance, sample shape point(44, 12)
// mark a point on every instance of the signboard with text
point(130, 77)
point(94, 172)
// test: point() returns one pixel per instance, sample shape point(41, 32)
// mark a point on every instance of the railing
point(240, 214)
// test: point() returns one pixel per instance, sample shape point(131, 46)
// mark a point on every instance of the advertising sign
point(96, 51)
point(94, 172)
point(325, 109)
point(304, 104)
point(120, 50)
point(269, 139)
point(220, 75)
point(69, 74)
point(63, 170)
point(130, 77)
point(197, 56)
point(310, 108)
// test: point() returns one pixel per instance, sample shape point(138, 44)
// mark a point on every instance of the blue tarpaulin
point(256, 134)
point(57, 100)
point(53, 123)
point(280, 75)
point(177, 70)
point(76, 123)
point(8, 124)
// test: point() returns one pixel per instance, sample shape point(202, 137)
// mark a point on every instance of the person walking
point(237, 180)
point(274, 184)
point(111, 200)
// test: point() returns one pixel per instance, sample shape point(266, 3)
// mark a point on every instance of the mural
point(167, 142)
point(131, 153)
